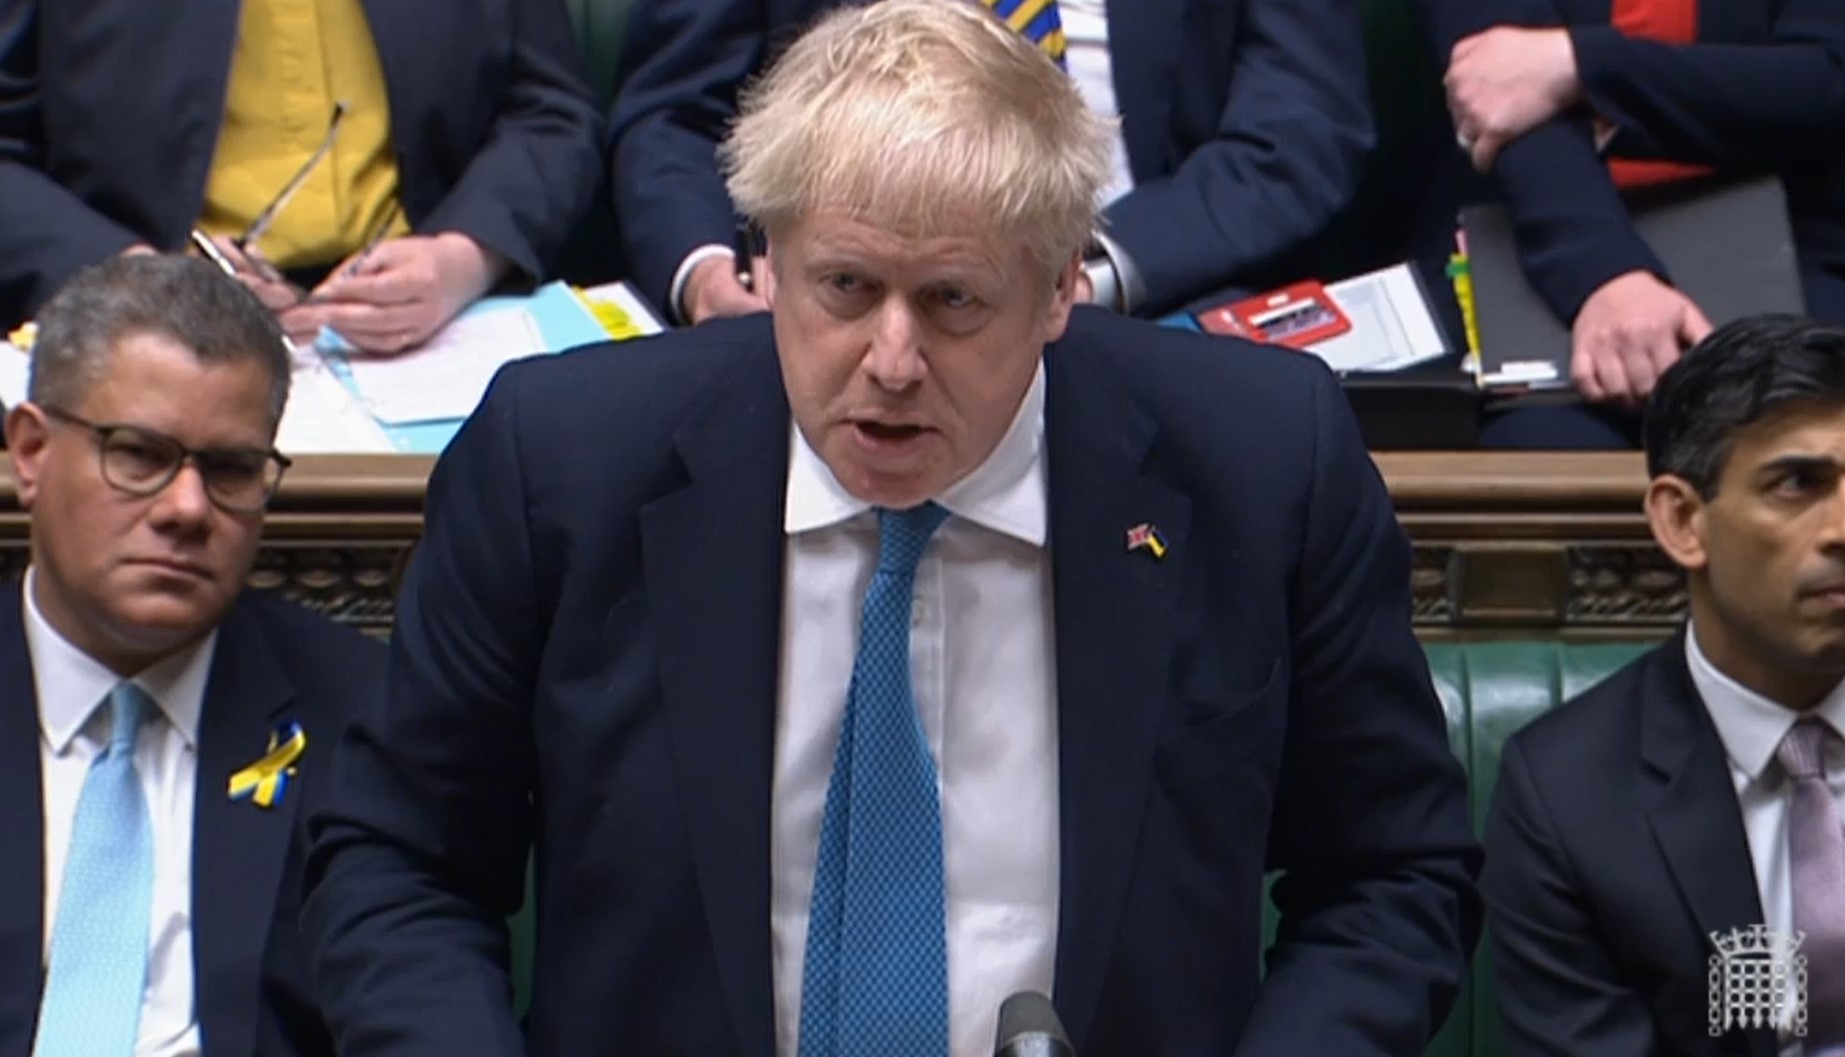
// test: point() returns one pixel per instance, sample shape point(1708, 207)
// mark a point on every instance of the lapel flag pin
point(266, 780)
point(1145, 536)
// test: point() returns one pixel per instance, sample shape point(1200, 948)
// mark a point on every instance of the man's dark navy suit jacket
point(274, 662)
point(585, 663)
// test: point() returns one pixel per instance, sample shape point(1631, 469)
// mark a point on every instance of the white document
point(322, 417)
point(1392, 326)
point(446, 377)
point(14, 364)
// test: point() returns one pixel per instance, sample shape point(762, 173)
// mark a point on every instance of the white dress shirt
point(1085, 33)
point(984, 672)
point(1751, 728)
point(73, 689)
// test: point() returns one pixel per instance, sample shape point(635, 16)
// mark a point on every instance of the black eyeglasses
point(142, 462)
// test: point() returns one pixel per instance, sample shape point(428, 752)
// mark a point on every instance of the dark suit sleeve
point(534, 177)
point(419, 857)
point(1572, 229)
point(1560, 994)
point(1379, 914)
point(46, 233)
point(1288, 155)
point(1740, 104)
point(682, 64)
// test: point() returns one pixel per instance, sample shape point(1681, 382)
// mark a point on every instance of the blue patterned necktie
point(92, 1000)
point(1037, 21)
point(876, 969)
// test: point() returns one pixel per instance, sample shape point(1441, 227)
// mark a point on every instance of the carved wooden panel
point(1505, 543)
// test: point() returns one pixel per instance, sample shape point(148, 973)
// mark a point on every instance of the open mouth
point(888, 432)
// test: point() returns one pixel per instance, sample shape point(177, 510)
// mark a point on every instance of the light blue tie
point(92, 1002)
point(876, 968)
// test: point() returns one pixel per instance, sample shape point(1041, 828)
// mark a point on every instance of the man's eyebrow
point(1786, 464)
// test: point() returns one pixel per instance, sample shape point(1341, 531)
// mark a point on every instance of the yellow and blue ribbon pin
point(266, 780)
point(1146, 536)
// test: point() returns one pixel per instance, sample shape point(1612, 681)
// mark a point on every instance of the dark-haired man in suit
point(165, 729)
point(1696, 793)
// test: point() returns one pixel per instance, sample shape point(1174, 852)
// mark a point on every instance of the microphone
point(1028, 1027)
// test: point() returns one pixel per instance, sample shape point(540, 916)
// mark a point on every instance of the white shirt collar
point(1751, 726)
point(71, 684)
point(1005, 493)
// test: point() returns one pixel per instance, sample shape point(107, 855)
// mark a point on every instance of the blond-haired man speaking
point(923, 642)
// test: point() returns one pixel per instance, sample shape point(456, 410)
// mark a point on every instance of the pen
point(205, 246)
point(384, 227)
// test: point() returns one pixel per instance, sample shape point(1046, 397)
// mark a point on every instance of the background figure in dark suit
point(470, 141)
point(1572, 106)
point(1111, 664)
point(144, 455)
point(1686, 795)
point(1244, 126)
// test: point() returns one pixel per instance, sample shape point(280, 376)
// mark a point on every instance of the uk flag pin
point(1146, 536)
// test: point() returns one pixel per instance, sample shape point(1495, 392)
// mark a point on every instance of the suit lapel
point(1696, 819)
point(239, 849)
point(1143, 49)
point(713, 558)
point(22, 835)
point(1112, 612)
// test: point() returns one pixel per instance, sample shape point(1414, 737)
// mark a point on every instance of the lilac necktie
point(1816, 853)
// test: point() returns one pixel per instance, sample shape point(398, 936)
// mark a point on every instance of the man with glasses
point(373, 167)
point(163, 730)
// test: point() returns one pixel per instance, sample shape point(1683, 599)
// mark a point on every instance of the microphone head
point(1028, 1027)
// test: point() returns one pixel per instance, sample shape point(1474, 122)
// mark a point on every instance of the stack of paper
point(446, 377)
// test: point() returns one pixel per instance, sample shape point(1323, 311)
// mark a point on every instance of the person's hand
point(1506, 81)
point(398, 295)
point(1627, 333)
point(260, 277)
point(712, 290)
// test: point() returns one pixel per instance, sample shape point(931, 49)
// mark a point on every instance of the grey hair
point(183, 299)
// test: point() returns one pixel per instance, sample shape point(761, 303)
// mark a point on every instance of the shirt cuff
point(675, 297)
point(1125, 290)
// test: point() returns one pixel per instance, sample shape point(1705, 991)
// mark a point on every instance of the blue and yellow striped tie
point(1036, 21)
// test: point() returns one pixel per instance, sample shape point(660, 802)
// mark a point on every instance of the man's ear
point(27, 433)
point(1677, 515)
point(763, 269)
point(1063, 299)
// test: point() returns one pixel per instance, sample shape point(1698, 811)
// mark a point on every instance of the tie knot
point(1802, 751)
point(902, 534)
point(128, 709)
